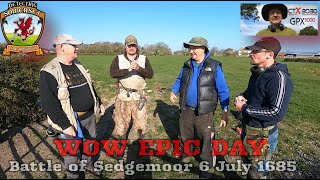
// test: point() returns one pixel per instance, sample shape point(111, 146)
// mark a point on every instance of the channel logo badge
point(22, 26)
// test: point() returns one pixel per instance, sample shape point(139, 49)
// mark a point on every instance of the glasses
point(259, 51)
point(275, 12)
point(194, 47)
point(132, 46)
point(55, 45)
point(75, 46)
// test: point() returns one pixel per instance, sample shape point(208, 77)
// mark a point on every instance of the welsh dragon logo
point(24, 26)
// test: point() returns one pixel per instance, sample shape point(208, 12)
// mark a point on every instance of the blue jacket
point(192, 93)
point(268, 96)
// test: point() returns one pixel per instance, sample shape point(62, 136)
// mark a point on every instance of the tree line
point(112, 48)
point(157, 49)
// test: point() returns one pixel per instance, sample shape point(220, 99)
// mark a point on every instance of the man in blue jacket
point(200, 83)
point(264, 103)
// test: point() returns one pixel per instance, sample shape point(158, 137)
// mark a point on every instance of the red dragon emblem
point(24, 27)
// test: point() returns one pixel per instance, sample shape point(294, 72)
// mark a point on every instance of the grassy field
point(18, 40)
point(299, 132)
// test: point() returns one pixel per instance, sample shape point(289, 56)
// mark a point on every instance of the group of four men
point(71, 102)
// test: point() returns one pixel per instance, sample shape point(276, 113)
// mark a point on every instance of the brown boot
point(121, 157)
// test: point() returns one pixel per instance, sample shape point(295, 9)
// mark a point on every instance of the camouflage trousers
point(123, 113)
point(260, 163)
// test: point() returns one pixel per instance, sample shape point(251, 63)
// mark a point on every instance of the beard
point(251, 62)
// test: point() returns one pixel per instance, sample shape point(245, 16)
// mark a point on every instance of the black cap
point(266, 8)
point(269, 43)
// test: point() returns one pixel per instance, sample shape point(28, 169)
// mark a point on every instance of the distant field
point(18, 40)
point(299, 132)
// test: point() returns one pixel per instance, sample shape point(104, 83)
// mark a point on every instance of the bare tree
point(214, 50)
point(249, 11)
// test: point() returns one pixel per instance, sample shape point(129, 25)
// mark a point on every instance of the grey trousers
point(204, 127)
point(89, 132)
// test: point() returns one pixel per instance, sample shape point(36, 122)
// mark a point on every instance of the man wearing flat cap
point(70, 100)
point(274, 13)
point(200, 83)
point(264, 103)
point(130, 70)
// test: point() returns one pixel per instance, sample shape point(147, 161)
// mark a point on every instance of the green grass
point(18, 40)
point(299, 132)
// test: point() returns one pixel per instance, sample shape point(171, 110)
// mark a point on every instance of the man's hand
point(69, 132)
point(224, 119)
point(135, 66)
point(102, 109)
point(239, 102)
point(173, 98)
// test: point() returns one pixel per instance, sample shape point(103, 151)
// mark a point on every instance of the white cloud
point(252, 29)
point(246, 29)
point(259, 12)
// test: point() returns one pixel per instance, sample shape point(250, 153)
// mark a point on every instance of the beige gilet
point(133, 81)
point(54, 68)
